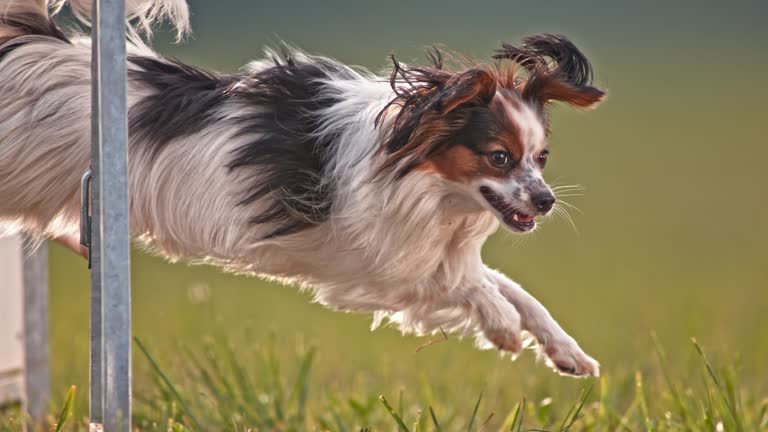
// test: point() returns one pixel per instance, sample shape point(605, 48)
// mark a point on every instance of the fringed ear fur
point(557, 71)
point(429, 107)
point(474, 87)
point(422, 93)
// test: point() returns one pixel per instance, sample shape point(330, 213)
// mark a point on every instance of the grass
point(218, 390)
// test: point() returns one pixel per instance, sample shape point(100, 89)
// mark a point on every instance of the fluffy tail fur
point(33, 17)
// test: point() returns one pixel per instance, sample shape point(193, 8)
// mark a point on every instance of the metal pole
point(96, 396)
point(37, 379)
point(110, 237)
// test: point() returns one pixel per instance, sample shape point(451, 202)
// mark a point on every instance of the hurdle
point(106, 233)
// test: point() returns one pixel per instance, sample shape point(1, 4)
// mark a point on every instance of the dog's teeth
point(514, 216)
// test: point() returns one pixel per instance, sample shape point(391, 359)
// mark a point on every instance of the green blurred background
point(673, 232)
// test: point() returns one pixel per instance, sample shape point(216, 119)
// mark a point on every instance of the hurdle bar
point(110, 374)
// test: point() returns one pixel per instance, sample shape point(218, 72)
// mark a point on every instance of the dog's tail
point(33, 17)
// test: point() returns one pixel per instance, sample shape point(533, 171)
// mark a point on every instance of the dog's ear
point(475, 87)
point(545, 89)
point(557, 71)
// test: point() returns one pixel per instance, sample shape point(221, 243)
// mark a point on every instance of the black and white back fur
point(375, 193)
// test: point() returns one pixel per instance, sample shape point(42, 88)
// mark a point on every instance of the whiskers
point(568, 190)
point(562, 208)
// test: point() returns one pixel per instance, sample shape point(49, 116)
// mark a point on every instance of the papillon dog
point(374, 192)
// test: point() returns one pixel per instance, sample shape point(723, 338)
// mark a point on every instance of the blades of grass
point(400, 423)
point(158, 404)
point(544, 411)
point(227, 388)
point(730, 404)
point(253, 408)
point(301, 388)
point(358, 408)
point(323, 423)
point(729, 376)
point(163, 400)
point(219, 383)
point(66, 409)
point(274, 376)
point(242, 379)
point(175, 427)
point(709, 410)
point(423, 420)
point(435, 423)
point(418, 425)
point(762, 418)
point(338, 420)
point(362, 409)
point(682, 406)
point(624, 419)
point(511, 420)
point(426, 389)
point(620, 421)
point(485, 423)
point(576, 409)
point(643, 402)
point(567, 416)
point(474, 413)
point(522, 415)
point(167, 382)
point(217, 398)
point(602, 410)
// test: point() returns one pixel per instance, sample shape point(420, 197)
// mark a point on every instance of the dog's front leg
point(497, 318)
point(561, 350)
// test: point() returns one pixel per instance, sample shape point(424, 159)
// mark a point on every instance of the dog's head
point(484, 129)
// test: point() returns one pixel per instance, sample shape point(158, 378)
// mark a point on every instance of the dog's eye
point(499, 158)
point(542, 159)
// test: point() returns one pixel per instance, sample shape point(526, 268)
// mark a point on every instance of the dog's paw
point(566, 358)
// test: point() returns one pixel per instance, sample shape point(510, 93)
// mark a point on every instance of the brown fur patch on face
point(427, 141)
point(458, 163)
point(464, 156)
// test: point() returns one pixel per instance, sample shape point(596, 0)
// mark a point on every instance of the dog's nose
point(543, 201)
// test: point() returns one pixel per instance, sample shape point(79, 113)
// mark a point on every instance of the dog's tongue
point(524, 218)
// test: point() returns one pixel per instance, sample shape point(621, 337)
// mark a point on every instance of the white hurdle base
point(24, 357)
point(11, 344)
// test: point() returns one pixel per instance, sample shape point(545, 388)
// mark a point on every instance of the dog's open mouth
point(514, 218)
